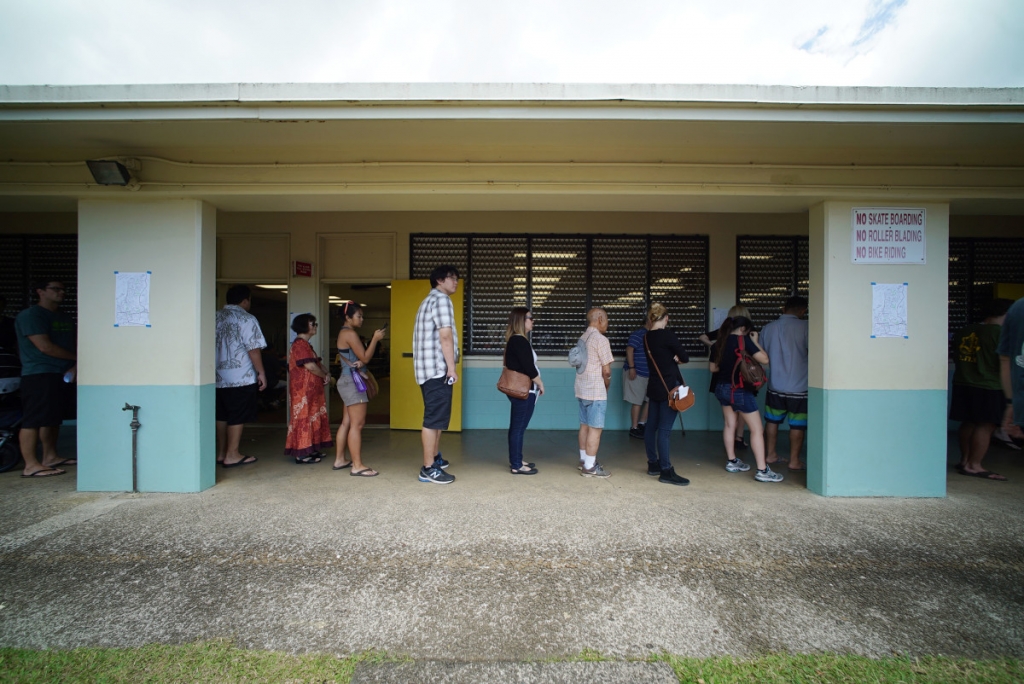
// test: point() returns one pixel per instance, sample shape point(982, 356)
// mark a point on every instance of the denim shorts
point(740, 400)
point(592, 412)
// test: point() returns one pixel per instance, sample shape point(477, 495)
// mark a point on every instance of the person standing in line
point(591, 388)
point(309, 427)
point(738, 402)
point(663, 351)
point(1011, 369)
point(785, 341)
point(520, 357)
point(353, 357)
point(634, 381)
point(46, 343)
point(710, 340)
point(240, 374)
point(435, 343)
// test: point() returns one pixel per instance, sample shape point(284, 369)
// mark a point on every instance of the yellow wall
point(176, 241)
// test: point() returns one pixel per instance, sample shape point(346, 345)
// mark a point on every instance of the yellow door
point(406, 400)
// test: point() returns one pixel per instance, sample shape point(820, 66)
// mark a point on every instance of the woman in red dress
point(309, 428)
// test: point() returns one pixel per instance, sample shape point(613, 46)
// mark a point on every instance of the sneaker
point(669, 477)
point(736, 466)
point(435, 475)
point(768, 475)
point(440, 462)
point(596, 471)
point(637, 432)
point(653, 469)
point(580, 465)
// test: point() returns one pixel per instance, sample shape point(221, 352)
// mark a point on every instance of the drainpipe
point(135, 425)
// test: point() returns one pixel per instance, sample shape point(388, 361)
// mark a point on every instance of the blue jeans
point(522, 411)
point(660, 419)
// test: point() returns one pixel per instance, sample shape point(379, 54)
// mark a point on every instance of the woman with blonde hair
point(520, 357)
point(353, 357)
point(664, 352)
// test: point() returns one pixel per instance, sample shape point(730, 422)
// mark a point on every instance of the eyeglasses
point(314, 323)
point(56, 289)
point(529, 318)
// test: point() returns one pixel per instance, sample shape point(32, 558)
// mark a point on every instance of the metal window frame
point(28, 267)
point(794, 240)
point(589, 240)
point(972, 295)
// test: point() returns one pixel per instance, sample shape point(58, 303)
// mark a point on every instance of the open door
point(406, 399)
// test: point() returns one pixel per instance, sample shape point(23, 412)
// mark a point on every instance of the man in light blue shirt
point(785, 340)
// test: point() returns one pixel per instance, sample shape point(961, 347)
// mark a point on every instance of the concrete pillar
point(877, 413)
point(166, 369)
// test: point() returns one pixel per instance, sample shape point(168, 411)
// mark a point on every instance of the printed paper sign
point(889, 310)
point(131, 299)
point(888, 235)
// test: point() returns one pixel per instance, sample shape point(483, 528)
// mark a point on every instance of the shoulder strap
point(654, 362)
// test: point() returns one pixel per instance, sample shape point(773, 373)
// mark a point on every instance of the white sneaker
point(768, 475)
point(737, 466)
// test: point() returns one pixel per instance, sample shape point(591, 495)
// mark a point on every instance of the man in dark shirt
point(46, 340)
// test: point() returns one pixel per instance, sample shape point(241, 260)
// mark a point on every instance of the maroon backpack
point(749, 373)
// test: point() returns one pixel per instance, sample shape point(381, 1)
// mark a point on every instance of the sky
point(783, 42)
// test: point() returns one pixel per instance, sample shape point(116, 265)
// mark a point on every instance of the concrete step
point(501, 672)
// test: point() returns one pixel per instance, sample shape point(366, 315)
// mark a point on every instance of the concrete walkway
point(504, 568)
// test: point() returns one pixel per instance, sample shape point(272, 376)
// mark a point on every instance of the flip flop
point(797, 470)
point(47, 472)
point(245, 461)
point(347, 465)
point(529, 471)
point(985, 475)
point(65, 462)
point(365, 472)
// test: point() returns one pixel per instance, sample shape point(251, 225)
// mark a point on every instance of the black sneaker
point(637, 432)
point(653, 469)
point(440, 462)
point(435, 475)
point(669, 477)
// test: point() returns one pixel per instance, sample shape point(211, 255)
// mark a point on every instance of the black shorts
point(237, 405)
point(46, 400)
point(977, 405)
point(437, 403)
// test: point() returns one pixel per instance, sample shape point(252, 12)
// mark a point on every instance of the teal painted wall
point(877, 442)
point(176, 443)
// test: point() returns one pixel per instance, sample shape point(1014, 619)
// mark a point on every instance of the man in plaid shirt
point(592, 392)
point(435, 343)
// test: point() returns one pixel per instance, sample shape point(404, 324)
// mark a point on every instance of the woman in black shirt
point(663, 353)
point(737, 400)
point(519, 356)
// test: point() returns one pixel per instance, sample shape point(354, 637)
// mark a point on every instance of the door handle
point(406, 355)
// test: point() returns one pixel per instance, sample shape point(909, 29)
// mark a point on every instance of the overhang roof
point(516, 146)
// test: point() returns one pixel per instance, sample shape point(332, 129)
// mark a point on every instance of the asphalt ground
point(497, 567)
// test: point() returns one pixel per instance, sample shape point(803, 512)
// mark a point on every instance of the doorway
point(375, 298)
point(270, 307)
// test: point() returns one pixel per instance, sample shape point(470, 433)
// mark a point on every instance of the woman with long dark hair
point(353, 357)
point(663, 351)
point(309, 427)
point(737, 400)
point(520, 357)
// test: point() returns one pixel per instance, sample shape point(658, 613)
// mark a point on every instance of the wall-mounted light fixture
point(109, 172)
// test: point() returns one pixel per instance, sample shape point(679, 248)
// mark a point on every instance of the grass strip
point(221, 662)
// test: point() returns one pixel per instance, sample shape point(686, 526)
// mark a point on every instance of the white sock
point(583, 454)
point(589, 461)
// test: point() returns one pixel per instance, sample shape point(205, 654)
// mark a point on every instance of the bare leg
point(964, 435)
point(643, 411)
point(729, 432)
point(796, 443)
point(357, 414)
point(753, 421)
point(342, 440)
point(739, 430)
point(593, 440)
point(48, 436)
point(431, 444)
point(980, 440)
point(771, 438)
point(28, 438)
point(582, 437)
point(234, 439)
point(222, 440)
point(634, 414)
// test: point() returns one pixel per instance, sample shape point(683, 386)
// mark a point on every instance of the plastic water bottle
point(69, 376)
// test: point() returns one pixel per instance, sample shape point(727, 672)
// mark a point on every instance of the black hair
point(42, 284)
point(442, 272)
point(795, 302)
point(996, 308)
point(728, 326)
point(300, 324)
point(349, 309)
point(238, 294)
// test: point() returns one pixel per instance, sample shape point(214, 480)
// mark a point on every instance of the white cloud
point(859, 42)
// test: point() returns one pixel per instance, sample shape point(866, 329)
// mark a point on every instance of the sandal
point(308, 459)
point(530, 470)
point(365, 472)
point(342, 467)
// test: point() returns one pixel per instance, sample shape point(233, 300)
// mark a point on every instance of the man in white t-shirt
point(240, 375)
